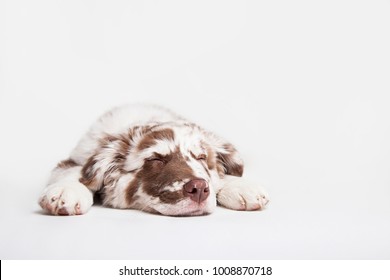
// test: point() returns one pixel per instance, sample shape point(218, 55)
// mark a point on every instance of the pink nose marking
point(197, 190)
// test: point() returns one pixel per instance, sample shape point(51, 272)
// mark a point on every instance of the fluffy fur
point(148, 158)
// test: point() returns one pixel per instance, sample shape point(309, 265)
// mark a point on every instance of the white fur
point(240, 194)
point(117, 121)
point(65, 195)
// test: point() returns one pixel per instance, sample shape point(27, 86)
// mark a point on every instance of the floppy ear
point(105, 166)
point(228, 159)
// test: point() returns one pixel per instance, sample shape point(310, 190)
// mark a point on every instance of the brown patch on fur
point(130, 191)
point(114, 149)
point(171, 197)
point(68, 163)
point(137, 131)
point(211, 161)
point(154, 177)
point(122, 145)
point(151, 138)
point(227, 163)
point(88, 174)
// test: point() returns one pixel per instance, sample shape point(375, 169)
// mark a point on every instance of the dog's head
point(171, 169)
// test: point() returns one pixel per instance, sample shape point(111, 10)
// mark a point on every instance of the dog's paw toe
point(66, 199)
point(242, 195)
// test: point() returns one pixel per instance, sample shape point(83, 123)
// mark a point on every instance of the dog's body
point(148, 158)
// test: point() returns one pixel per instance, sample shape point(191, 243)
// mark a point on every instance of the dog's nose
point(197, 189)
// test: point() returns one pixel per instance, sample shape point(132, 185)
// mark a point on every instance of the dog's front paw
point(240, 194)
point(66, 198)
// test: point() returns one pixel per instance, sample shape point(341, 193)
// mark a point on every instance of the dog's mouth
point(199, 212)
point(186, 208)
point(196, 209)
point(194, 213)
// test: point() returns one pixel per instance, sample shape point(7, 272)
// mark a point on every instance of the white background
point(302, 88)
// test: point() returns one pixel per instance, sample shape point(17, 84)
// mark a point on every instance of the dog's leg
point(64, 194)
point(240, 194)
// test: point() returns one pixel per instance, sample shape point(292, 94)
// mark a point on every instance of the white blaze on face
point(187, 152)
point(190, 142)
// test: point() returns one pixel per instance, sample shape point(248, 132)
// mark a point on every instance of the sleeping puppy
point(148, 158)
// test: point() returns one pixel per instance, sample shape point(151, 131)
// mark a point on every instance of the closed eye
point(156, 163)
point(201, 157)
point(156, 158)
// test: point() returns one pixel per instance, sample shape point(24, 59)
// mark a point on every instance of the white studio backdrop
point(300, 87)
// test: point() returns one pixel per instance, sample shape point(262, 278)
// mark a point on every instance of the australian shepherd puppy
point(148, 158)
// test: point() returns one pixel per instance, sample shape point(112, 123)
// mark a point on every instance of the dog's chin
point(187, 208)
point(199, 212)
